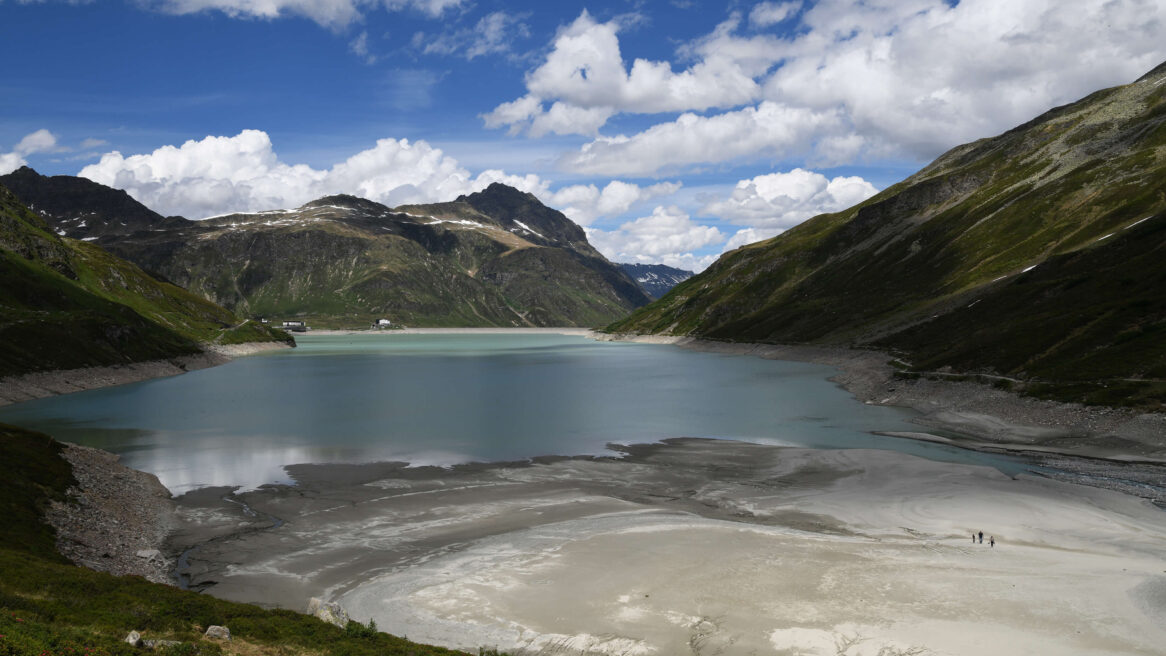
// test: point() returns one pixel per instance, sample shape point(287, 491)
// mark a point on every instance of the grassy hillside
point(1034, 255)
point(51, 608)
point(66, 304)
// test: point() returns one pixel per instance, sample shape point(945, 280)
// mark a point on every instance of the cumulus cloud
point(777, 201)
point(586, 203)
point(493, 34)
point(667, 236)
point(585, 74)
point(919, 77)
point(747, 236)
point(691, 139)
point(243, 173)
point(903, 79)
point(9, 162)
point(34, 142)
point(328, 13)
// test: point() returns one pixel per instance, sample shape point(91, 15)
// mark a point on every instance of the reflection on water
point(444, 399)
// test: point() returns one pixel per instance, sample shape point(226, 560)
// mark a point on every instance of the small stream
point(181, 573)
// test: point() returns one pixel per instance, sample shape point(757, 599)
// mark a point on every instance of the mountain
point(82, 209)
point(498, 257)
point(1037, 255)
point(656, 279)
point(66, 304)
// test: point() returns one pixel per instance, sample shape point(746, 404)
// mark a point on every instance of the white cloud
point(667, 236)
point(585, 74)
point(586, 203)
point(919, 77)
point(777, 201)
point(886, 78)
point(35, 142)
point(769, 128)
point(243, 173)
point(328, 13)
point(749, 236)
point(494, 33)
point(90, 143)
point(766, 14)
point(359, 47)
point(9, 162)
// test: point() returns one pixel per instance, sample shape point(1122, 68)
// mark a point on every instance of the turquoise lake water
point(451, 398)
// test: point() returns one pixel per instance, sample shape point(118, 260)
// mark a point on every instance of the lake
point(441, 399)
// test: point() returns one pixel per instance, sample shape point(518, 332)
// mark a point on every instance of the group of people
point(991, 538)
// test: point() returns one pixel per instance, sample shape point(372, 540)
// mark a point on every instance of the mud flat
point(698, 546)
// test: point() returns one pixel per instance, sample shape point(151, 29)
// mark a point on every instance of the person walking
point(981, 537)
point(991, 540)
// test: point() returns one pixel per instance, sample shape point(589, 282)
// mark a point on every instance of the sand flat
point(712, 547)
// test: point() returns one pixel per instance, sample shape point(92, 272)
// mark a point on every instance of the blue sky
point(670, 130)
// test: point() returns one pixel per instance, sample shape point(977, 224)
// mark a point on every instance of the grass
point(49, 607)
point(66, 304)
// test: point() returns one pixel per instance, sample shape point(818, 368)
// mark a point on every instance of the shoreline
point(970, 415)
point(579, 332)
point(41, 384)
point(781, 549)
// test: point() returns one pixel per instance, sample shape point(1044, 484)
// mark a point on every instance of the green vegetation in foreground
point(67, 304)
point(1037, 258)
point(50, 607)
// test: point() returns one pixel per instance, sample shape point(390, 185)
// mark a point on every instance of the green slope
point(48, 606)
point(66, 304)
point(935, 266)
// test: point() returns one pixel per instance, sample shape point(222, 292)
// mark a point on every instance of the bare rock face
point(117, 518)
point(329, 611)
point(216, 632)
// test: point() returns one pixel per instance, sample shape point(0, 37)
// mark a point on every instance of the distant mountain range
point(656, 279)
point(1038, 256)
point(498, 257)
point(66, 304)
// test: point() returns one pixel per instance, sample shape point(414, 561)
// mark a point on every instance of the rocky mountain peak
point(59, 199)
point(518, 209)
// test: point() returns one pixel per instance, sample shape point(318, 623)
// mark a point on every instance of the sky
point(672, 131)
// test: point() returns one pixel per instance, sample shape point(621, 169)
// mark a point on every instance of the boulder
point(134, 638)
point(329, 611)
point(151, 555)
point(218, 632)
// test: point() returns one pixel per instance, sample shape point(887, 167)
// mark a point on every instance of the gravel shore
point(14, 389)
point(119, 518)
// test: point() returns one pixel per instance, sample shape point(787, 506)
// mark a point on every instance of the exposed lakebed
point(746, 544)
point(442, 399)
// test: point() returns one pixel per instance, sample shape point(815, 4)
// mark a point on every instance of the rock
point(160, 644)
point(134, 638)
point(151, 555)
point(330, 612)
point(218, 632)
